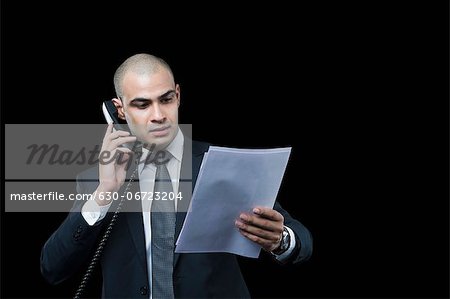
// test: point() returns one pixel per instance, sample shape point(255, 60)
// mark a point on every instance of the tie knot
point(156, 158)
point(162, 158)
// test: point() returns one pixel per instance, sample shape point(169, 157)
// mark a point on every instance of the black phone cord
point(102, 243)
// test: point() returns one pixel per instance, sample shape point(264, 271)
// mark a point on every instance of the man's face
point(150, 106)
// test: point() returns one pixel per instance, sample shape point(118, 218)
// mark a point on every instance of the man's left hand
point(264, 227)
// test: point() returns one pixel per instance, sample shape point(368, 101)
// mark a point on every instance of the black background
point(359, 92)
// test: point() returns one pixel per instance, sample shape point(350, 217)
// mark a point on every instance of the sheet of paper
point(230, 181)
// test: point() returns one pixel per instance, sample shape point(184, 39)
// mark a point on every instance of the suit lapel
point(136, 223)
point(135, 226)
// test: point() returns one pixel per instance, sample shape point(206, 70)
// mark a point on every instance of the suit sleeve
point(71, 246)
point(304, 243)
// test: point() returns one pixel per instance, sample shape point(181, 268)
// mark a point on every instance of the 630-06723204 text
point(49, 196)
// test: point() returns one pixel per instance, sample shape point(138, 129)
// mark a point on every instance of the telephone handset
point(111, 116)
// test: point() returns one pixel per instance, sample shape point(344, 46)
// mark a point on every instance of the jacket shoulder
point(199, 147)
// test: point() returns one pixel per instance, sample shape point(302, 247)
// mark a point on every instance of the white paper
point(230, 181)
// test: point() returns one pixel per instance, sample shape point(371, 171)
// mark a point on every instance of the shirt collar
point(175, 148)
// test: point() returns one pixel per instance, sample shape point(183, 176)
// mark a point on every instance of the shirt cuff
point(285, 255)
point(94, 213)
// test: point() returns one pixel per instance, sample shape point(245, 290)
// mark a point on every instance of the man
point(148, 99)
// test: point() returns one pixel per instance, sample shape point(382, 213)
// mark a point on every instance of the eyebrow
point(164, 95)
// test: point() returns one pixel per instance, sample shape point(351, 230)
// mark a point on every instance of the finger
point(264, 223)
point(117, 134)
point(122, 140)
point(108, 131)
point(268, 213)
point(125, 150)
point(111, 135)
point(262, 242)
point(259, 232)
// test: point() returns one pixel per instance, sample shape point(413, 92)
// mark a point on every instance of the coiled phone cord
point(102, 243)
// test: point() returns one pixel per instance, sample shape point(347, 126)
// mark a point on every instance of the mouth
point(160, 131)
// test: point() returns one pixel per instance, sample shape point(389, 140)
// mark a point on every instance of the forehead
point(149, 83)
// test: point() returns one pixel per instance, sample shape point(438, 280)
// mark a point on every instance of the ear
point(178, 94)
point(119, 106)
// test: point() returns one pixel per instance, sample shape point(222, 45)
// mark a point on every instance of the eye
point(141, 105)
point(167, 100)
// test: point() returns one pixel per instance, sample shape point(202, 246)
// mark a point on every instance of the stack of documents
point(230, 181)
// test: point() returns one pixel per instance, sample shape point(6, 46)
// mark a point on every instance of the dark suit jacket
point(124, 264)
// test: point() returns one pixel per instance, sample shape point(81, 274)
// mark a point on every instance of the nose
point(158, 115)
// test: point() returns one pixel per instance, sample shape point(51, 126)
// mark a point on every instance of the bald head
point(140, 64)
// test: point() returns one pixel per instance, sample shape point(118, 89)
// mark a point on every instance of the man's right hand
point(111, 173)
